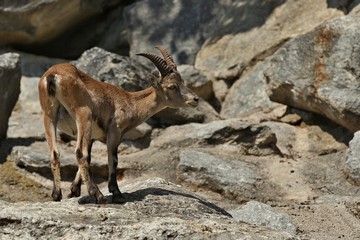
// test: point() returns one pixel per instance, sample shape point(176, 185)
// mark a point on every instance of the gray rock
point(228, 56)
point(197, 81)
point(22, 22)
point(250, 139)
point(10, 75)
point(234, 179)
point(203, 113)
point(352, 164)
point(118, 70)
point(155, 209)
point(187, 24)
point(294, 141)
point(261, 214)
point(248, 95)
point(37, 159)
point(140, 131)
point(328, 83)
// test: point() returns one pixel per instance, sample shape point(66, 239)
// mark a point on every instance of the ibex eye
point(172, 87)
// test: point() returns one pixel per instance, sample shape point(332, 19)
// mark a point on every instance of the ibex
point(92, 110)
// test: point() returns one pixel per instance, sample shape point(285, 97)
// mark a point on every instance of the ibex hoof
point(56, 195)
point(74, 192)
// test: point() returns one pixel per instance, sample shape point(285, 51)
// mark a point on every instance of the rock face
point(232, 178)
point(330, 73)
point(251, 169)
point(187, 24)
point(166, 212)
point(252, 139)
point(261, 214)
point(29, 27)
point(248, 95)
point(352, 164)
point(10, 75)
point(231, 54)
point(118, 70)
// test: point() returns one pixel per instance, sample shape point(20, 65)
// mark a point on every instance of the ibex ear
point(153, 80)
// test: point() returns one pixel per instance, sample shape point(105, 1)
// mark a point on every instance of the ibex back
point(92, 110)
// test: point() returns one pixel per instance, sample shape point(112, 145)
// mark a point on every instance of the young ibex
point(91, 110)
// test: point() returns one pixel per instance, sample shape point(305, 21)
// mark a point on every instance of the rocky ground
point(271, 152)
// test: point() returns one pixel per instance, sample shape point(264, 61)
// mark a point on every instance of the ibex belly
point(67, 124)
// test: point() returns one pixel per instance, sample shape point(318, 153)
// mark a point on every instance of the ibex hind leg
point(75, 189)
point(50, 133)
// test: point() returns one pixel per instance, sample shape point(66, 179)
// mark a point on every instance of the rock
point(35, 65)
point(37, 159)
point(250, 139)
point(43, 26)
point(106, 29)
point(234, 179)
point(26, 120)
point(140, 131)
point(10, 75)
point(248, 95)
point(118, 70)
point(228, 56)
point(196, 81)
point(261, 214)
point(187, 24)
point(295, 141)
point(331, 72)
point(352, 164)
point(155, 209)
point(203, 113)
point(24, 21)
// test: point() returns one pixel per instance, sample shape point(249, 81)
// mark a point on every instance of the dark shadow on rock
point(339, 133)
point(346, 6)
point(141, 194)
point(7, 145)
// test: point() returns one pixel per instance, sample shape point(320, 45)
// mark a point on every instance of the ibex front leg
point(83, 145)
point(113, 141)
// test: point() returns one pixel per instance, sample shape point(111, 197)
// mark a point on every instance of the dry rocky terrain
point(271, 152)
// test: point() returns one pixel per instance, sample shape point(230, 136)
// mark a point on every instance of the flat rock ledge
point(156, 209)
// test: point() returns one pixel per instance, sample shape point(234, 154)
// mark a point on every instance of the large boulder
point(352, 164)
point(230, 55)
point(261, 214)
point(112, 68)
point(249, 139)
point(10, 75)
point(24, 22)
point(319, 72)
point(248, 96)
point(187, 24)
point(233, 178)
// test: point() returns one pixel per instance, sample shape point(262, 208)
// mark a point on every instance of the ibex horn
point(168, 58)
point(159, 63)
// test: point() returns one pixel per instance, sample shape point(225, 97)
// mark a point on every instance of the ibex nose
point(196, 99)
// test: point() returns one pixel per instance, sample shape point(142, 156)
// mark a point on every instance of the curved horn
point(159, 63)
point(168, 58)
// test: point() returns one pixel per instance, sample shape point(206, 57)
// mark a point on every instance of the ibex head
point(170, 84)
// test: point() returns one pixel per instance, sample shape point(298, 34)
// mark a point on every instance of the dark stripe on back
point(51, 84)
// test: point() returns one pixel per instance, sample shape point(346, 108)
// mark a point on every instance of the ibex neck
point(147, 103)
